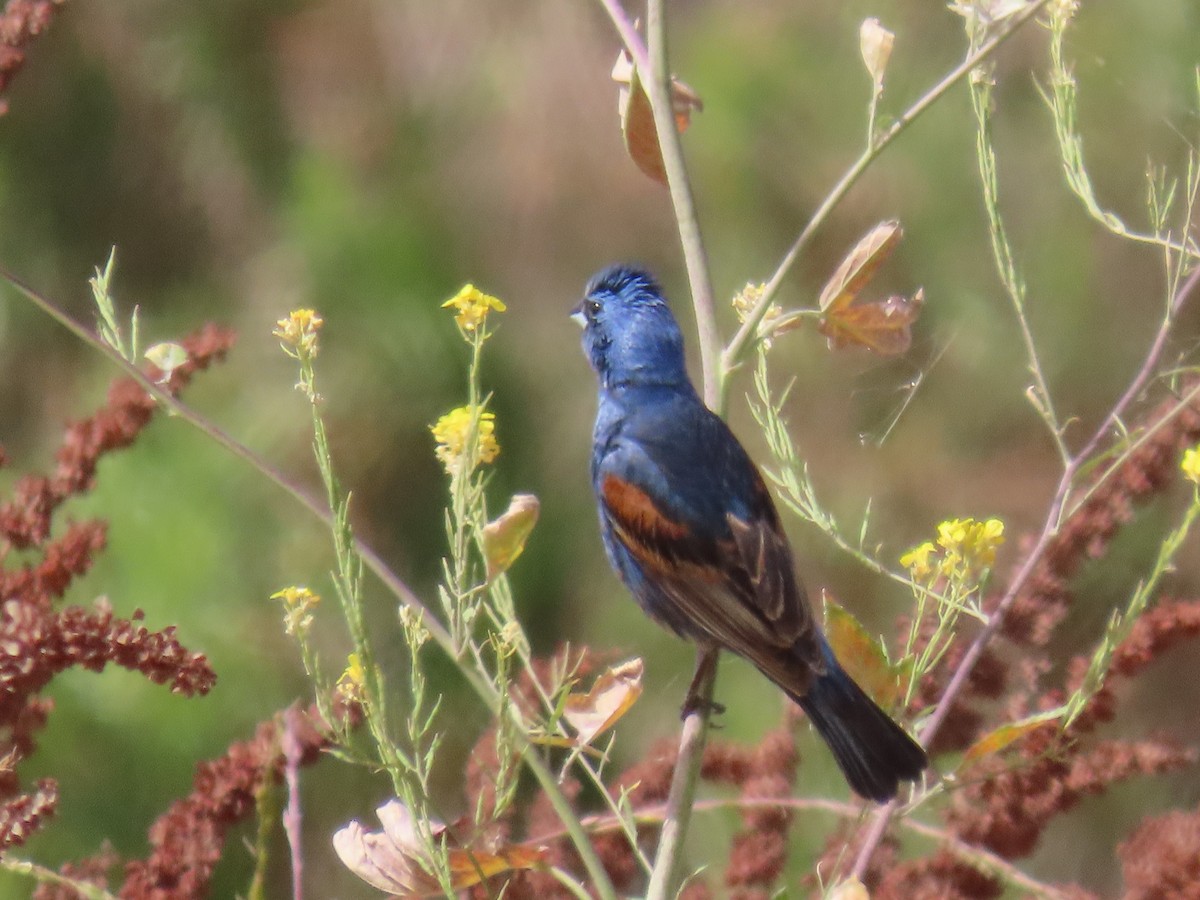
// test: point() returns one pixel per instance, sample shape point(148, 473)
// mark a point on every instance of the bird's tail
point(873, 752)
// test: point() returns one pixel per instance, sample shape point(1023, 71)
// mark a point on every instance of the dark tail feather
point(873, 752)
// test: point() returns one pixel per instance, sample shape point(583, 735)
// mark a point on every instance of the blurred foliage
point(366, 157)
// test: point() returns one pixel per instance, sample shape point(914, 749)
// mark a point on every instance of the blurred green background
point(367, 157)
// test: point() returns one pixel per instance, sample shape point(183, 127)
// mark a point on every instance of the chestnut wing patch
point(641, 526)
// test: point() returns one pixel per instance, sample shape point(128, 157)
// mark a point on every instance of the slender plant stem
point(736, 349)
point(292, 813)
point(628, 32)
point(1148, 366)
point(668, 860)
point(681, 799)
point(486, 691)
point(652, 64)
point(658, 88)
point(1006, 266)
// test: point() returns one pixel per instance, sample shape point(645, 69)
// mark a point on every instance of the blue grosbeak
point(691, 530)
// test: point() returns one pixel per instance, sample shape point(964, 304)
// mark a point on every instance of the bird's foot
point(697, 704)
point(700, 690)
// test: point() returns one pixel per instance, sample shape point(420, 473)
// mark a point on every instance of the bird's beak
point(578, 317)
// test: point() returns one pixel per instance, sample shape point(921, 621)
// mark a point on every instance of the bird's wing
point(734, 585)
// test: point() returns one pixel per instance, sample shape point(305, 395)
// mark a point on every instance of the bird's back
point(668, 442)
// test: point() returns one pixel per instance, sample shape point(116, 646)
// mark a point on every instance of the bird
point(690, 528)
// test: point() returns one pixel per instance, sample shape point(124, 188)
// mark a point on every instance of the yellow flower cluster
point(472, 307)
point(965, 548)
point(298, 333)
point(453, 435)
point(1191, 465)
point(297, 603)
point(744, 303)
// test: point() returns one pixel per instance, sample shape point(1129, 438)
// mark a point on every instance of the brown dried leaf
point(637, 116)
point(611, 696)
point(884, 326)
point(390, 860)
point(860, 265)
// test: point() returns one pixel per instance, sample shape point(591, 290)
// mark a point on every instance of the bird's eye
point(591, 308)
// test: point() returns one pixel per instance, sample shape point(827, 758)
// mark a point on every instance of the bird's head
point(629, 334)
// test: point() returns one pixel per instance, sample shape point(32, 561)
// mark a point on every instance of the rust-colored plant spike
point(1162, 857)
point(940, 875)
point(760, 849)
point(38, 640)
point(187, 841)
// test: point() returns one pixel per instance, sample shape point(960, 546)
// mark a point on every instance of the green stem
point(658, 88)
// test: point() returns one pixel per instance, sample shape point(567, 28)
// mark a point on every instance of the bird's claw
point(694, 704)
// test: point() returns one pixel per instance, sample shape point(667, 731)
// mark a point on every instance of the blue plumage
point(689, 526)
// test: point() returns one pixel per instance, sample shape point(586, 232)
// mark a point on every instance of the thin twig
point(664, 877)
point(681, 797)
point(1148, 367)
point(656, 78)
point(292, 814)
point(629, 36)
point(1006, 266)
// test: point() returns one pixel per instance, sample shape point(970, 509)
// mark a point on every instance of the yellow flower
point(351, 687)
point(297, 602)
point(453, 435)
point(969, 546)
point(918, 561)
point(1191, 465)
point(297, 596)
point(473, 306)
point(298, 333)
